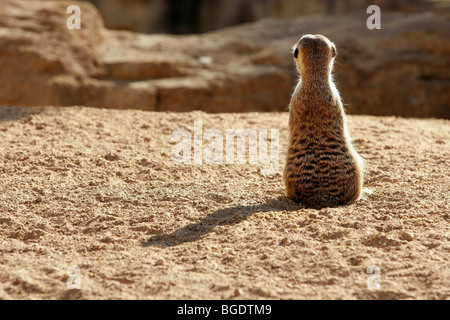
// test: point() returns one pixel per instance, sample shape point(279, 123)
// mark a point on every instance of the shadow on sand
point(221, 217)
point(10, 113)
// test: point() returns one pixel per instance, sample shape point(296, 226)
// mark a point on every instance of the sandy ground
point(97, 189)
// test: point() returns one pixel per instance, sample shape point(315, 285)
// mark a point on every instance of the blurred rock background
point(200, 16)
point(222, 55)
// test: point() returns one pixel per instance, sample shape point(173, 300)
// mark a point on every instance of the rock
point(200, 16)
point(407, 236)
point(264, 256)
point(159, 262)
point(37, 46)
point(399, 70)
point(265, 293)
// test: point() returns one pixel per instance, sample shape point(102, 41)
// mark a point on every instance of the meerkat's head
point(314, 53)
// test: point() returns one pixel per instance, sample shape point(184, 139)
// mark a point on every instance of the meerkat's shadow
point(227, 216)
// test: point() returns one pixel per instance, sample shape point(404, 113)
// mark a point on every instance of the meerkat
point(322, 169)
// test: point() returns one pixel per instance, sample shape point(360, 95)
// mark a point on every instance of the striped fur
point(322, 168)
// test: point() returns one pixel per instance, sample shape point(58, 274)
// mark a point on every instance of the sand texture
point(97, 189)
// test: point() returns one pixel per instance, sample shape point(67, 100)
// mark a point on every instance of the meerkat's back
point(322, 168)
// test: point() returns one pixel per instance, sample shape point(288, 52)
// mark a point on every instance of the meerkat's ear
point(333, 51)
point(295, 49)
